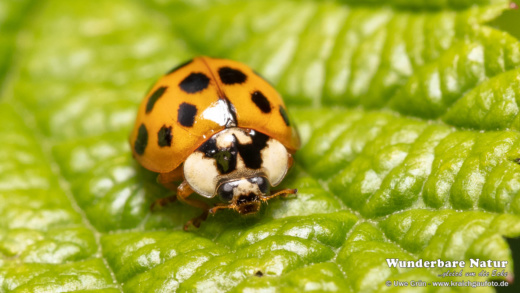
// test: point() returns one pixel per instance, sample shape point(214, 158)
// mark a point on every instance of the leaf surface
point(407, 113)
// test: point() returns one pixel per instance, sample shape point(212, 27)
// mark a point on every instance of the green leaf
point(376, 178)
point(12, 15)
point(430, 5)
point(379, 164)
point(491, 105)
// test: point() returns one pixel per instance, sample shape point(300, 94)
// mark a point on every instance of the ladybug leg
point(163, 201)
point(221, 206)
point(282, 193)
point(167, 180)
point(183, 191)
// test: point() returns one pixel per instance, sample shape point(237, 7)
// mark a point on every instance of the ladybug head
point(245, 194)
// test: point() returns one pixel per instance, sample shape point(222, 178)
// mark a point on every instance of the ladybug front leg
point(163, 201)
point(183, 191)
point(167, 180)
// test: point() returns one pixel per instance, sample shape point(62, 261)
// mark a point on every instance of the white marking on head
point(243, 136)
point(201, 174)
point(275, 161)
point(226, 137)
point(245, 187)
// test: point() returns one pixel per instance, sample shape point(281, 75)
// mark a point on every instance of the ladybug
point(221, 129)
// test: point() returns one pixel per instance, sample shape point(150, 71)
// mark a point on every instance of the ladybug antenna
point(282, 193)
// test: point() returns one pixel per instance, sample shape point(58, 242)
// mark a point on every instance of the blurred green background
point(408, 112)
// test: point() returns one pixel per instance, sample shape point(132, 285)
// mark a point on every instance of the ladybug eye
point(225, 192)
point(262, 183)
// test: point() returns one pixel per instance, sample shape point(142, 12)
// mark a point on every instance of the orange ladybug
point(220, 128)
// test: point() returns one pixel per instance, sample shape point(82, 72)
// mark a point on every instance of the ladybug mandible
point(220, 128)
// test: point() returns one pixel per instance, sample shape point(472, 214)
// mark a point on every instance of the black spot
point(226, 161)
point(250, 153)
point(179, 66)
point(186, 114)
point(164, 136)
point(194, 83)
point(284, 116)
point(231, 76)
point(209, 148)
point(142, 140)
point(154, 97)
point(226, 158)
point(261, 102)
point(259, 274)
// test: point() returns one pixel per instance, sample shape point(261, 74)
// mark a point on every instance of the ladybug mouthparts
point(244, 199)
point(250, 207)
point(248, 204)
